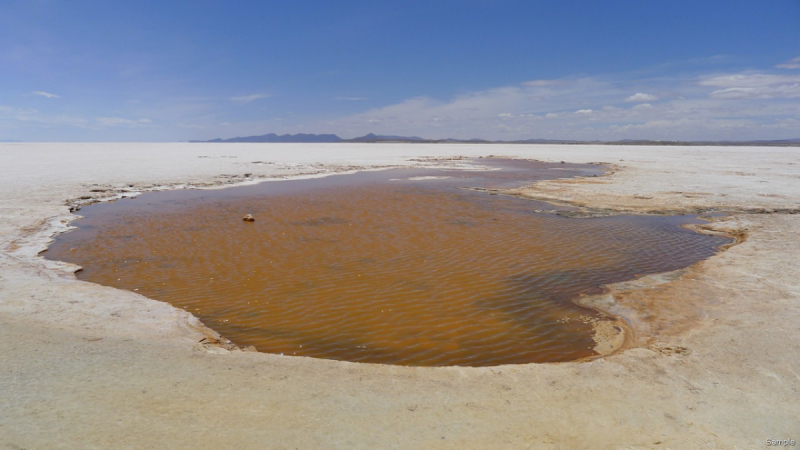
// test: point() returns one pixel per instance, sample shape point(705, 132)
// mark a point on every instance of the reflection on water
point(374, 267)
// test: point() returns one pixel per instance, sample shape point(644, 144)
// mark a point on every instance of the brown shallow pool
point(375, 267)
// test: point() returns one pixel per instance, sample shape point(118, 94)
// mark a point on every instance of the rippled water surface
point(375, 267)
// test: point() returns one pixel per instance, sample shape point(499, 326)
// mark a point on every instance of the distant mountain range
point(325, 138)
point(272, 137)
point(311, 138)
point(318, 138)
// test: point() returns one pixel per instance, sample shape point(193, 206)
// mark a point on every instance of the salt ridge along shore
point(714, 361)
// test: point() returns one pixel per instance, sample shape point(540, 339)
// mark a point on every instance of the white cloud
point(754, 80)
point(728, 105)
point(753, 86)
point(641, 97)
point(119, 121)
point(249, 98)
point(793, 63)
point(32, 118)
point(551, 109)
point(45, 94)
point(538, 83)
point(785, 91)
point(194, 126)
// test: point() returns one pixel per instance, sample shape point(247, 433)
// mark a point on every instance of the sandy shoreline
point(714, 361)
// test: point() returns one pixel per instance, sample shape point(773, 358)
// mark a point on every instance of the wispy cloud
point(641, 97)
point(754, 86)
point(119, 121)
point(733, 105)
point(249, 98)
point(539, 83)
point(32, 117)
point(749, 79)
point(191, 126)
point(783, 91)
point(45, 94)
point(793, 63)
point(22, 114)
point(350, 99)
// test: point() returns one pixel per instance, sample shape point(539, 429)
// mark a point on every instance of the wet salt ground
point(374, 267)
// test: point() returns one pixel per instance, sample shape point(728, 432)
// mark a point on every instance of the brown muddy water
point(391, 266)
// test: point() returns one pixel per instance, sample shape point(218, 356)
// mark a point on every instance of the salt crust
point(713, 361)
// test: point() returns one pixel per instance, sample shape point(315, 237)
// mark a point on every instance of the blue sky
point(173, 71)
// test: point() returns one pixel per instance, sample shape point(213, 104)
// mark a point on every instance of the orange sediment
point(396, 272)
